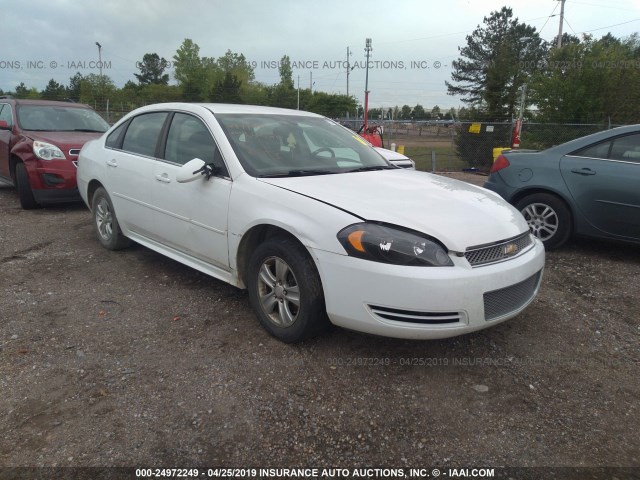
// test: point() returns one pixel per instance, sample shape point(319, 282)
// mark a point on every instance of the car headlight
point(386, 244)
point(46, 151)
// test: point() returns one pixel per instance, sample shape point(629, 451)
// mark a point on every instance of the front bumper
point(48, 196)
point(427, 302)
point(53, 181)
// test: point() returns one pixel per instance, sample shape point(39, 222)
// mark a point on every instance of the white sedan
point(310, 219)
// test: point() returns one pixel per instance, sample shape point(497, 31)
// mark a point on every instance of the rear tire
point(25, 192)
point(106, 223)
point(285, 290)
point(548, 217)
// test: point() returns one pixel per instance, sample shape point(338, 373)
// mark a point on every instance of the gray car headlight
point(386, 244)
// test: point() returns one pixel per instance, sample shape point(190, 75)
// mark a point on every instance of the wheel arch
point(531, 191)
point(91, 189)
point(254, 237)
point(14, 159)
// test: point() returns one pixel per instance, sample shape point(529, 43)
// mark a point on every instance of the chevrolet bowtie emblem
point(510, 249)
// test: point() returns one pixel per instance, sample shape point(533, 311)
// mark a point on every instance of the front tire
point(285, 290)
point(106, 223)
point(548, 217)
point(25, 192)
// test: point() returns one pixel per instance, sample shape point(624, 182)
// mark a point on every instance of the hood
point(63, 139)
point(390, 154)
point(458, 214)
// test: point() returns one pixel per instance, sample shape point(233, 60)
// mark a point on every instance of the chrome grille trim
point(74, 151)
point(416, 317)
point(505, 301)
point(498, 252)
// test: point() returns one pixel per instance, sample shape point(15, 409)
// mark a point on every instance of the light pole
point(99, 58)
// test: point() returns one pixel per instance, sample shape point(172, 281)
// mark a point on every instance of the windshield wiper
point(371, 168)
point(87, 130)
point(297, 173)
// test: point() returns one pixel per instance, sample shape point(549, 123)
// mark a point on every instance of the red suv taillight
point(500, 163)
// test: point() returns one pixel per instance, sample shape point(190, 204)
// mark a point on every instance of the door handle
point(583, 171)
point(112, 163)
point(164, 178)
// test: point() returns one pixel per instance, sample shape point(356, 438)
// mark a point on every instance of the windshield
point(51, 118)
point(290, 145)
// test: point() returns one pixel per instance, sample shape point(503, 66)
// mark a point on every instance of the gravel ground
point(131, 359)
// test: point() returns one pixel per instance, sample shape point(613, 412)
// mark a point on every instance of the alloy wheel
point(279, 292)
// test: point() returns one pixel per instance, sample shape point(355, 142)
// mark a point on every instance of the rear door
point(604, 180)
point(130, 172)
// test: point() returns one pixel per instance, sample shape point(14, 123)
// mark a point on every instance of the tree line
point(227, 79)
point(505, 66)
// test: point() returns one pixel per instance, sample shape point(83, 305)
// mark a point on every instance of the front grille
point(74, 152)
point(498, 252)
point(510, 299)
point(413, 316)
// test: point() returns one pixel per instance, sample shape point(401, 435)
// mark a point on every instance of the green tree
point(22, 91)
point(190, 71)
point(495, 63)
point(418, 112)
point(73, 90)
point(227, 90)
point(152, 70)
point(286, 73)
point(592, 81)
point(405, 113)
point(53, 91)
point(97, 90)
point(329, 105)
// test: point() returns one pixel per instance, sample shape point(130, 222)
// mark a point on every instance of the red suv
point(39, 145)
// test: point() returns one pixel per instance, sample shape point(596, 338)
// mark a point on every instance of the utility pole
point(348, 71)
point(559, 44)
point(311, 81)
point(367, 49)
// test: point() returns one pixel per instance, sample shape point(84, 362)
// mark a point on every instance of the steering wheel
point(324, 149)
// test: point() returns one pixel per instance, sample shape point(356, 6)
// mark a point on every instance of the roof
point(232, 108)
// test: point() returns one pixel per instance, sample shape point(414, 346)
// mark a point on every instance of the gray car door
point(604, 181)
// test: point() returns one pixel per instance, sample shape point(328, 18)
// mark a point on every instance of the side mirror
point(190, 171)
point(4, 125)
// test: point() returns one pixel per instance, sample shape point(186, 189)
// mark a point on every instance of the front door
point(192, 217)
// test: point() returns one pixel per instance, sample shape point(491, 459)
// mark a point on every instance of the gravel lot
point(131, 359)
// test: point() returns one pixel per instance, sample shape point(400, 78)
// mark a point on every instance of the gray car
point(589, 186)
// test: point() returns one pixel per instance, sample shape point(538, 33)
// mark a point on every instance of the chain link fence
point(448, 146)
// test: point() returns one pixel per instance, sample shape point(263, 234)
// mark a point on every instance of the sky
point(414, 42)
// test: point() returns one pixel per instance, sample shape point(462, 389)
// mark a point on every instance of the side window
point(113, 140)
point(189, 138)
point(599, 150)
point(5, 113)
point(143, 132)
point(626, 148)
